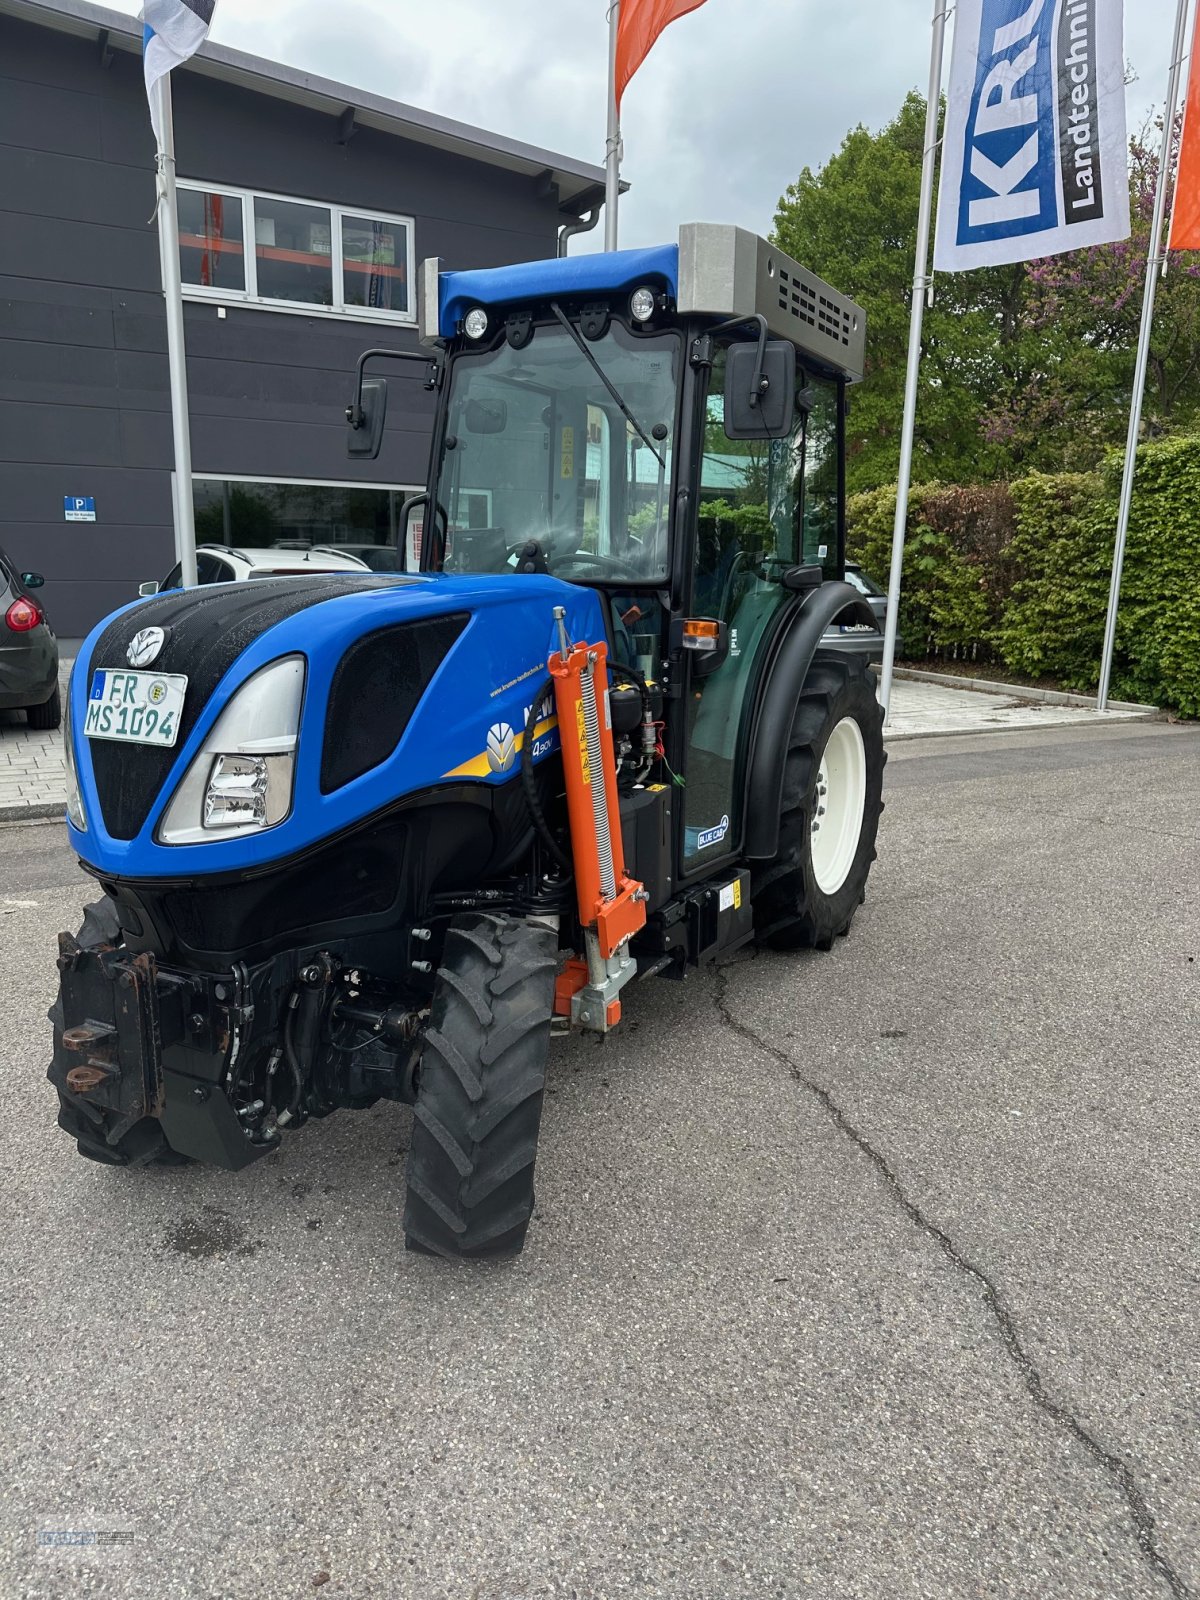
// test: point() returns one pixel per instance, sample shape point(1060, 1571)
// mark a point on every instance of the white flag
point(1034, 160)
point(174, 30)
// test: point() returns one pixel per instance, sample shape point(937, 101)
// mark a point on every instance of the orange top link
point(618, 918)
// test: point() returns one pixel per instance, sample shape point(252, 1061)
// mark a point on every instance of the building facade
point(305, 207)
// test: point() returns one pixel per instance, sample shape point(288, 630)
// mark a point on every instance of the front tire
point(48, 715)
point(479, 1089)
point(833, 780)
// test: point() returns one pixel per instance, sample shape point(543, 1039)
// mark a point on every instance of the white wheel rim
point(840, 800)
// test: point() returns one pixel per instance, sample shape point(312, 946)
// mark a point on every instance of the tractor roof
point(715, 269)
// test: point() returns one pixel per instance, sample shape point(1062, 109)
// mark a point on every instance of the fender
point(777, 698)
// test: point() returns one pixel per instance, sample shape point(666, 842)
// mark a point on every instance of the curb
point(1020, 691)
point(44, 811)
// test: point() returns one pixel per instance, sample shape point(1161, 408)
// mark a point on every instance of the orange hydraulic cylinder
point(618, 917)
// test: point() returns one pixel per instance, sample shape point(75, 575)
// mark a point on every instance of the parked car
point(217, 564)
point(28, 650)
point(379, 557)
point(858, 636)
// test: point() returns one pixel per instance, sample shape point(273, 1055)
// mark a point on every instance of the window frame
point(249, 296)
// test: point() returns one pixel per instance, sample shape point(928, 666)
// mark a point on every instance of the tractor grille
point(376, 688)
point(206, 632)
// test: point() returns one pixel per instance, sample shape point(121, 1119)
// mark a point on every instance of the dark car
point(858, 636)
point(28, 650)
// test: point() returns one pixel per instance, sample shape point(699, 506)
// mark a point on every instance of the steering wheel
point(589, 558)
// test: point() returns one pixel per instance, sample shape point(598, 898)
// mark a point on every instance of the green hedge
point(1018, 574)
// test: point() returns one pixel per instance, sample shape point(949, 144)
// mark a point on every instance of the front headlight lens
point(475, 323)
point(242, 779)
point(642, 303)
point(237, 791)
point(75, 814)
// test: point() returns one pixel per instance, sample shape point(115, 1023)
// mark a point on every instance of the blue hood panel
point(485, 683)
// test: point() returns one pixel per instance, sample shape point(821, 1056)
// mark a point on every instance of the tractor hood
point(403, 684)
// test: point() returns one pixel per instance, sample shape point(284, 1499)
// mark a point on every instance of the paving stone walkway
point(920, 709)
point(32, 776)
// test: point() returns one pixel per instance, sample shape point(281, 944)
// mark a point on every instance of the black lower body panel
point(133, 1044)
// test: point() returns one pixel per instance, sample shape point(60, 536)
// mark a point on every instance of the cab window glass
point(764, 506)
point(538, 449)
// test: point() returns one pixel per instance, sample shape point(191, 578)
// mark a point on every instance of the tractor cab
point(666, 426)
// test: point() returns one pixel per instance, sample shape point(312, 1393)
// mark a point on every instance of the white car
point(217, 564)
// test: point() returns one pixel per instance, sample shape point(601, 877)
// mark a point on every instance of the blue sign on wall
point(79, 507)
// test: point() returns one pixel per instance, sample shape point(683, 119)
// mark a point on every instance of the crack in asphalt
point(1120, 1474)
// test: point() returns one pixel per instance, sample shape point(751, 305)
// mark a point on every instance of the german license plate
point(137, 707)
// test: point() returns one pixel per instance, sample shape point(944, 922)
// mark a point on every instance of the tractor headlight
point(475, 323)
point(242, 779)
point(642, 303)
point(75, 814)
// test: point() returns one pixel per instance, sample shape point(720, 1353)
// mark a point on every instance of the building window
point(212, 250)
point(252, 514)
point(293, 251)
point(373, 263)
point(305, 254)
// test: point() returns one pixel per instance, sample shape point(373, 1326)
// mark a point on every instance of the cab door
point(756, 517)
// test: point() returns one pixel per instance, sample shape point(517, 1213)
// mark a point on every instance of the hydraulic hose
point(292, 1059)
point(529, 784)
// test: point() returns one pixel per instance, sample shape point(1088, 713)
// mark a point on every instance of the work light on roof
point(641, 304)
point(475, 323)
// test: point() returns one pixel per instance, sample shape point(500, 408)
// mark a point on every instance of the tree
point(854, 223)
point(1024, 367)
point(1081, 320)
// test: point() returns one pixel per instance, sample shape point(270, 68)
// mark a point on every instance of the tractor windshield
point(565, 445)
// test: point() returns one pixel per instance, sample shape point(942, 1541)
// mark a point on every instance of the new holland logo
point(145, 647)
point(501, 747)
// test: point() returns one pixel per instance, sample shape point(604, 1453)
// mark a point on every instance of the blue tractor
point(365, 837)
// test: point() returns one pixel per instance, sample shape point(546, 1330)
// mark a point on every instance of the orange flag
point(640, 24)
point(1185, 219)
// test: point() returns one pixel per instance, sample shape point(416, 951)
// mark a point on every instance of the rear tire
point(479, 1089)
point(833, 779)
point(145, 1143)
point(46, 716)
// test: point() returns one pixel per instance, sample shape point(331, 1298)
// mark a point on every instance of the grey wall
point(83, 373)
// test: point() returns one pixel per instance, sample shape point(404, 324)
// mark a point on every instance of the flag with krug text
point(1034, 156)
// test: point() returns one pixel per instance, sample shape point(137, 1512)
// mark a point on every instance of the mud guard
point(777, 706)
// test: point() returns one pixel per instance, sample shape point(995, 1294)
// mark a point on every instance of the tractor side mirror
point(364, 436)
point(760, 405)
point(32, 580)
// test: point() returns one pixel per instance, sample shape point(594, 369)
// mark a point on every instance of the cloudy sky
point(735, 99)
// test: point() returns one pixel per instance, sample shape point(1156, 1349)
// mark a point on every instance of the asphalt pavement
point(868, 1274)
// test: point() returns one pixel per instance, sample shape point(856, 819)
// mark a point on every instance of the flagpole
point(1156, 256)
point(612, 149)
point(172, 282)
point(921, 284)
